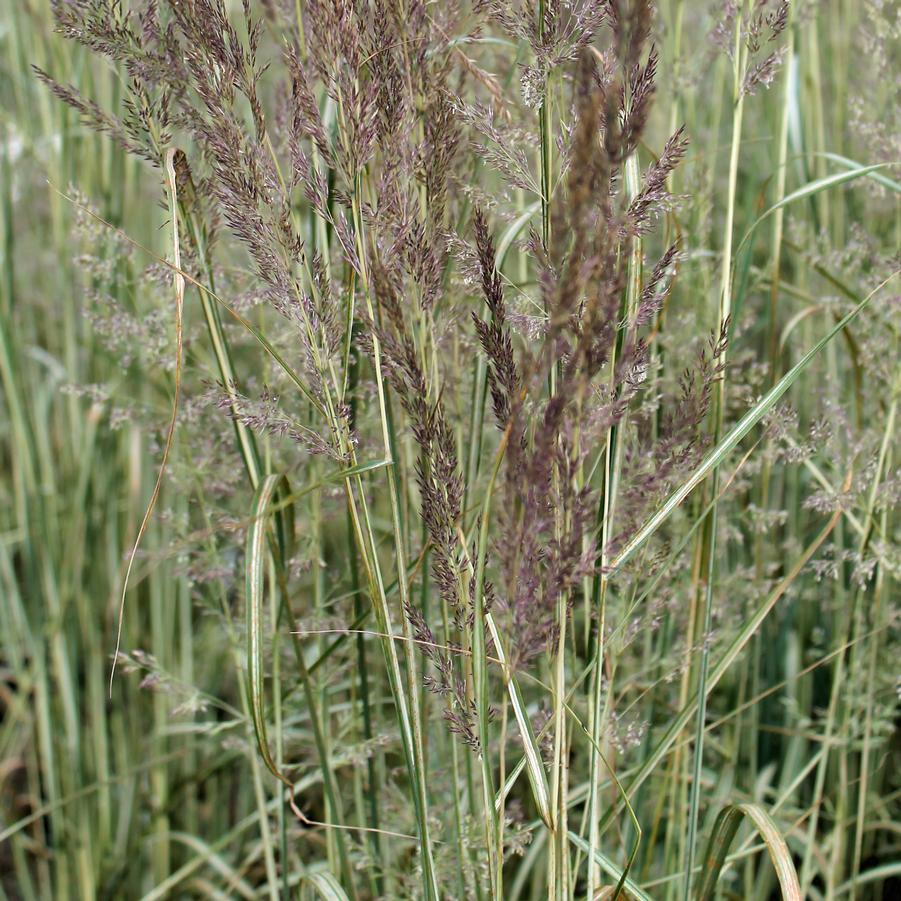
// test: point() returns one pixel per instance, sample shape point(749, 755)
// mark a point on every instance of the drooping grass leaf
point(724, 830)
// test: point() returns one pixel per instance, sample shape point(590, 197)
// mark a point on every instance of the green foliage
point(520, 387)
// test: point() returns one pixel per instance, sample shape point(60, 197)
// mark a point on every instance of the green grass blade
point(611, 869)
point(724, 830)
point(255, 576)
point(811, 189)
point(327, 886)
point(878, 177)
point(749, 627)
point(719, 453)
point(512, 232)
point(265, 500)
point(532, 755)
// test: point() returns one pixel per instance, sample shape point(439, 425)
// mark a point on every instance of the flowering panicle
point(439, 278)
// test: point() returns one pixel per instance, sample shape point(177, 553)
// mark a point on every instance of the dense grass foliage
point(448, 449)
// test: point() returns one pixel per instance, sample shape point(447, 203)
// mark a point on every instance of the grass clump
point(501, 407)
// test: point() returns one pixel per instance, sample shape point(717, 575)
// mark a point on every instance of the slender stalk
point(408, 703)
point(740, 54)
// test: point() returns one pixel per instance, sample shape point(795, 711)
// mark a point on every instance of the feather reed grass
point(526, 523)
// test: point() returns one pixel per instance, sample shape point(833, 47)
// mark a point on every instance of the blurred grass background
point(92, 780)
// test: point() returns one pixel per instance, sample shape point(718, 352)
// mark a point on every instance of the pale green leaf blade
point(811, 188)
point(255, 564)
point(327, 886)
point(610, 868)
point(724, 830)
point(719, 453)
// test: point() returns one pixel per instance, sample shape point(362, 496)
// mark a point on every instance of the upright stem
point(558, 871)
point(547, 143)
point(709, 539)
point(409, 706)
point(613, 459)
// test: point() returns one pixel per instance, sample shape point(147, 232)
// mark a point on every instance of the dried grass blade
point(178, 282)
